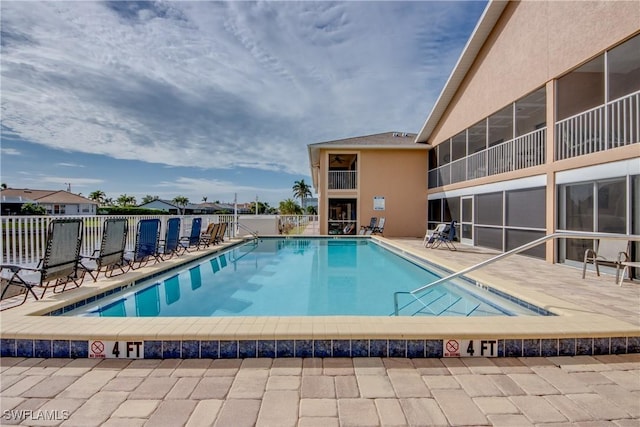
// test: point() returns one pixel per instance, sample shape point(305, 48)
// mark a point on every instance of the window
point(624, 68)
point(342, 214)
point(531, 112)
point(501, 126)
point(489, 209)
point(478, 137)
point(526, 208)
point(581, 89)
point(459, 146)
point(58, 209)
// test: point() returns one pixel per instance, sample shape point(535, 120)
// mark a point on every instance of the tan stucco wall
point(533, 43)
point(397, 175)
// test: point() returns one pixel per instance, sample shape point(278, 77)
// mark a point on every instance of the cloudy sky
point(210, 99)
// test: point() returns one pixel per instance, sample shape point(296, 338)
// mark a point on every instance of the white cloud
point(221, 85)
point(10, 152)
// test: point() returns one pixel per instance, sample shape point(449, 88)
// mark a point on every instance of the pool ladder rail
point(254, 233)
point(559, 235)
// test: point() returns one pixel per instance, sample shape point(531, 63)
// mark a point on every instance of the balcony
point(608, 126)
point(343, 180)
point(522, 152)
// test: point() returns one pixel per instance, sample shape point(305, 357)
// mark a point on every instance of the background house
point(55, 202)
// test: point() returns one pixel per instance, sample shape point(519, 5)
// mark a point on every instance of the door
point(466, 220)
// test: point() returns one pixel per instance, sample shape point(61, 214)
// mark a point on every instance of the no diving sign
point(99, 349)
point(469, 348)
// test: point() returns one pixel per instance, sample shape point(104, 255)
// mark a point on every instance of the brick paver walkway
point(583, 390)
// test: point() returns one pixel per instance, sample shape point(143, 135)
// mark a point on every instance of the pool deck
point(511, 391)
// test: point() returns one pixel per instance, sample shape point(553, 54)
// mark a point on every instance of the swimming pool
point(300, 277)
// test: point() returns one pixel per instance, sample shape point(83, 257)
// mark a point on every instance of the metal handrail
point(245, 228)
point(526, 246)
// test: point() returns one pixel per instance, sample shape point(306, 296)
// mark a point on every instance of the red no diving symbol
point(452, 346)
point(97, 347)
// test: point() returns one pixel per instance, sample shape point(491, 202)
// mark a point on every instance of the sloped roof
point(485, 25)
point(44, 196)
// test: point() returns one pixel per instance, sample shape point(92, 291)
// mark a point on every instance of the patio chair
point(110, 255)
point(612, 251)
point(431, 235)
point(193, 239)
point(379, 229)
point(147, 244)
point(58, 266)
point(447, 237)
point(221, 231)
point(209, 237)
point(367, 229)
point(171, 244)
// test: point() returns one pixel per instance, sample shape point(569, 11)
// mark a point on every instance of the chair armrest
point(590, 251)
point(623, 257)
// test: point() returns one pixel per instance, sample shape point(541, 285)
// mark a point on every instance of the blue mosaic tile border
point(244, 349)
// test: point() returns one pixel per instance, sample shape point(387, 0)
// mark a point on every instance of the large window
point(531, 112)
point(581, 89)
point(598, 206)
point(623, 64)
point(342, 216)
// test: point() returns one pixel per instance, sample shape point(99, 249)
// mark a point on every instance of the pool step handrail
point(245, 228)
point(526, 246)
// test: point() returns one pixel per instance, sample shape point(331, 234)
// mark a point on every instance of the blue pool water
point(298, 277)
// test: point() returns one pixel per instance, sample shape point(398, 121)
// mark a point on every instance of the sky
point(211, 99)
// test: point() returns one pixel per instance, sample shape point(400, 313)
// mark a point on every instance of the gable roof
point(485, 25)
point(24, 195)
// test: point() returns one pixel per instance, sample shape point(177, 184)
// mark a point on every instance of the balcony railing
point(612, 125)
point(522, 152)
point(343, 180)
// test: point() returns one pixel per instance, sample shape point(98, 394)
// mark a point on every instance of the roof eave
point(485, 26)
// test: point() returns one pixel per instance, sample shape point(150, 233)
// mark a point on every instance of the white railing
point(522, 152)
point(612, 125)
point(23, 238)
point(343, 180)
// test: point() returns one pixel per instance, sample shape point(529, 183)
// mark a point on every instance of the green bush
point(32, 209)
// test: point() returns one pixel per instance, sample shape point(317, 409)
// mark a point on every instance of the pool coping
point(574, 330)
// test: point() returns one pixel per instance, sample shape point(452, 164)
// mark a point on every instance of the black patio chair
point(58, 266)
point(110, 255)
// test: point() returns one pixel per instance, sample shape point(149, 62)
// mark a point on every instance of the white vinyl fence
point(23, 238)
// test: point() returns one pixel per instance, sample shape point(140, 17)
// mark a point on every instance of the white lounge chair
point(612, 251)
point(431, 235)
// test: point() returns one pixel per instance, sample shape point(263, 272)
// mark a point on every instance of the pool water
point(299, 277)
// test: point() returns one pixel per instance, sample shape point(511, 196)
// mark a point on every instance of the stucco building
point(375, 175)
point(537, 128)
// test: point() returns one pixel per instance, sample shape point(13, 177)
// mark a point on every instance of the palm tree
point(97, 196)
point(301, 190)
point(108, 201)
point(204, 199)
point(3, 186)
point(181, 201)
point(125, 200)
point(289, 207)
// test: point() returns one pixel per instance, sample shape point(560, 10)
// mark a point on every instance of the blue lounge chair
point(193, 239)
point(58, 266)
point(110, 255)
point(446, 237)
point(147, 244)
point(170, 246)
